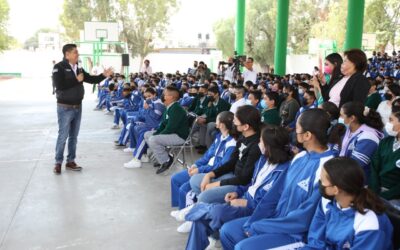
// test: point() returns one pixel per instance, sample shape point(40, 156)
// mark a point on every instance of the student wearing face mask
point(349, 216)
point(285, 223)
point(374, 98)
point(238, 95)
point(392, 92)
point(289, 106)
point(270, 113)
point(225, 94)
point(268, 179)
point(363, 133)
point(309, 102)
point(385, 170)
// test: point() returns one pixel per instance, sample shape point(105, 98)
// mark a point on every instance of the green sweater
point(373, 101)
point(199, 107)
point(384, 171)
point(214, 110)
point(271, 116)
point(174, 121)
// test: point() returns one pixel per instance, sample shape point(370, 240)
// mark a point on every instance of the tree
point(383, 18)
point(224, 31)
point(142, 22)
point(75, 14)
point(4, 37)
point(260, 31)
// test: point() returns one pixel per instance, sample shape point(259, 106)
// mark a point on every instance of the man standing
point(68, 81)
point(249, 74)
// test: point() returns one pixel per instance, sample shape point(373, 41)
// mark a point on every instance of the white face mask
point(389, 129)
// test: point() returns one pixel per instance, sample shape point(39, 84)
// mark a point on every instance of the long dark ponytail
point(347, 175)
point(372, 118)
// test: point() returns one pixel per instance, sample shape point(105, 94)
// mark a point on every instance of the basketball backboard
point(94, 31)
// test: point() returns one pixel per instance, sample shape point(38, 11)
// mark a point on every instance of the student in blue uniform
point(363, 134)
point(268, 179)
point(153, 110)
point(286, 223)
point(349, 216)
point(217, 155)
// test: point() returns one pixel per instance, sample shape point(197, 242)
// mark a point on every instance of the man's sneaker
point(129, 150)
point(115, 126)
point(185, 227)
point(73, 166)
point(134, 163)
point(145, 158)
point(180, 215)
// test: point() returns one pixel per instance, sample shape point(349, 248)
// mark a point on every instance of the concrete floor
point(103, 207)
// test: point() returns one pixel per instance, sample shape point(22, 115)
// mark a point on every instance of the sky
point(193, 17)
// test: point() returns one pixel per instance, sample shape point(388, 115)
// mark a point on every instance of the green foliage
point(224, 30)
point(75, 14)
point(5, 39)
point(382, 17)
point(142, 22)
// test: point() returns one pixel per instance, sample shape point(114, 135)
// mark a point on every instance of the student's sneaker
point(129, 150)
point(180, 215)
point(145, 158)
point(134, 163)
point(115, 126)
point(185, 227)
point(214, 244)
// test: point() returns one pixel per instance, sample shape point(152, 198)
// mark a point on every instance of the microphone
point(79, 70)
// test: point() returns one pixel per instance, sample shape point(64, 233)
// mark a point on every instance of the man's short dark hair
point(171, 88)
point(151, 91)
point(214, 90)
point(250, 58)
point(68, 47)
point(257, 94)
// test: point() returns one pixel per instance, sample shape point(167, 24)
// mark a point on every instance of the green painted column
point(240, 24)
point(282, 20)
point(355, 20)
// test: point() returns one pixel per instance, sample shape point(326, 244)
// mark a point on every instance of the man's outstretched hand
point(108, 72)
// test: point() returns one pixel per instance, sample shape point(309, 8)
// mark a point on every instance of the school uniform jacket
point(174, 121)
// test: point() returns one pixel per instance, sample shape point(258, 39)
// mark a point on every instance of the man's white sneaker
point(115, 126)
point(180, 215)
point(185, 227)
point(145, 159)
point(129, 150)
point(134, 163)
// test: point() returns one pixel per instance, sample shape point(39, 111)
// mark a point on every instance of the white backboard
point(94, 31)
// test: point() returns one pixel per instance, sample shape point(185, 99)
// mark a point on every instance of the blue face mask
point(263, 104)
point(341, 120)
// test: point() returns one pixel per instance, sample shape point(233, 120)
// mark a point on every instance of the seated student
point(111, 98)
point(309, 102)
point(374, 98)
point(225, 94)
point(128, 105)
point(289, 106)
point(272, 225)
point(238, 95)
point(349, 216)
point(173, 129)
point(385, 170)
point(217, 155)
point(188, 95)
point(103, 92)
point(392, 92)
point(268, 179)
point(206, 123)
point(150, 119)
point(270, 113)
point(336, 130)
point(213, 186)
point(254, 99)
point(363, 133)
point(200, 102)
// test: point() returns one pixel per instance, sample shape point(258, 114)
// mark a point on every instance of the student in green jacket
point(173, 129)
point(200, 102)
point(270, 114)
point(385, 171)
point(206, 123)
point(374, 98)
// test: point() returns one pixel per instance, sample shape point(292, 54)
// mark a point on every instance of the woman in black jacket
point(353, 86)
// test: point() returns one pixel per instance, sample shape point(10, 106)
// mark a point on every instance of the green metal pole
point(282, 19)
point(355, 19)
point(240, 23)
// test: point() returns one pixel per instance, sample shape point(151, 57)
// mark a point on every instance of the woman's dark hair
point(273, 96)
point(358, 58)
point(332, 110)
point(311, 94)
point(395, 89)
point(256, 93)
point(276, 140)
point(316, 121)
point(396, 106)
point(336, 60)
point(226, 118)
point(347, 175)
point(249, 115)
point(151, 91)
point(372, 119)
